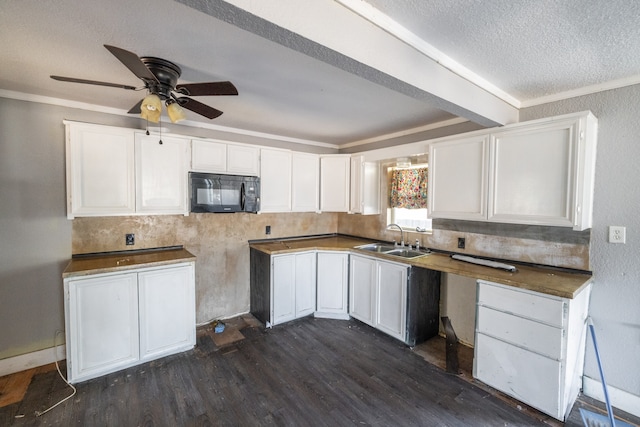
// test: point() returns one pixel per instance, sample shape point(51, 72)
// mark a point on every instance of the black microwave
point(224, 193)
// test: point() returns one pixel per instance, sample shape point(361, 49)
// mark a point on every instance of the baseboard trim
point(620, 399)
point(11, 365)
point(338, 316)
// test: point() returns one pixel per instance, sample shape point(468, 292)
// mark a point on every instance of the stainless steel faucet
point(401, 233)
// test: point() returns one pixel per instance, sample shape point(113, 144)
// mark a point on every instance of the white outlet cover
point(617, 234)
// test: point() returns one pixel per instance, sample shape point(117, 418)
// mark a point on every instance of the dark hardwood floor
point(310, 372)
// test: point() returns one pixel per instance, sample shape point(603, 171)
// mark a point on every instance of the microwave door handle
point(242, 197)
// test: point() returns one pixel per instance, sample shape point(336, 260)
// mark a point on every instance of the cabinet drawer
point(527, 304)
point(535, 336)
point(526, 376)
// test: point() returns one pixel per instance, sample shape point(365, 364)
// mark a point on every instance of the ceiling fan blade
point(212, 88)
point(132, 62)
point(92, 82)
point(136, 108)
point(199, 107)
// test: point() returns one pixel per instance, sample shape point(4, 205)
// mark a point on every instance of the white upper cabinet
point(243, 160)
point(305, 184)
point(334, 182)
point(215, 156)
point(275, 180)
point(117, 171)
point(208, 156)
point(539, 172)
point(365, 186)
point(161, 174)
point(458, 175)
point(100, 170)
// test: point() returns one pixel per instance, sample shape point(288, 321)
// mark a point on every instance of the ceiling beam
point(330, 32)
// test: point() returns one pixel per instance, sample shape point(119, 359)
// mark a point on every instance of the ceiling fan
point(160, 78)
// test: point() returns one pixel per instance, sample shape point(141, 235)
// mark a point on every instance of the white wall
point(615, 301)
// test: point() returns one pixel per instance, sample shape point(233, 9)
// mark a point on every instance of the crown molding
point(189, 123)
point(587, 90)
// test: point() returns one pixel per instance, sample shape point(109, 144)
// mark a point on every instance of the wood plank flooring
point(310, 372)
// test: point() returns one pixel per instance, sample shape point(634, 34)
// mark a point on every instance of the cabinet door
point(243, 160)
point(100, 170)
point(458, 178)
point(167, 311)
point(305, 190)
point(161, 174)
point(525, 375)
point(391, 299)
point(362, 289)
point(275, 180)
point(333, 281)
point(305, 284)
point(532, 178)
point(208, 156)
point(334, 183)
point(283, 298)
point(356, 185)
point(102, 325)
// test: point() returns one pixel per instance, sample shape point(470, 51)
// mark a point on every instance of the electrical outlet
point(617, 234)
point(461, 242)
point(130, 239)
point(267, 229)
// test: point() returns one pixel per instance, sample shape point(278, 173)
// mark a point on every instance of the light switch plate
point(617, 234)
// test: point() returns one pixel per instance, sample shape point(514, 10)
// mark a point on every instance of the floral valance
point(408, 188)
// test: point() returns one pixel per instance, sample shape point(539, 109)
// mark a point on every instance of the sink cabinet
point(117, 320)
point(531, 345)
point(397, 299)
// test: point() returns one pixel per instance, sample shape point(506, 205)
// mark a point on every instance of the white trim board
point(11, 365)
point(619, 399)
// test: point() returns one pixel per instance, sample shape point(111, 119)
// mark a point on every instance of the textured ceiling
point(307, 78)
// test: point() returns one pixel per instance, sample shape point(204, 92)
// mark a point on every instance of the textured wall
point(615, 301)
point(219, 241)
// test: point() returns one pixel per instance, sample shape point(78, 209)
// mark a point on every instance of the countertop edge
point(444, 263)
point(109, 263)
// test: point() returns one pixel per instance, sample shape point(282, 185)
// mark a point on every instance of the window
point(408, 197)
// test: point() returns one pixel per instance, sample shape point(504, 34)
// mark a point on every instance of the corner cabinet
point(334, 182)
point(117, 320)
point(535, 173)
point(531, 345)
point(365, 187)
point(333, 285)
point(397, 299)
point(117, 171)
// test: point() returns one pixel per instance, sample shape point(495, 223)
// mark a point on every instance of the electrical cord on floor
point(38, 413)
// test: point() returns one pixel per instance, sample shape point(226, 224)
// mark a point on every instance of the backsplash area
point(554, 246)
point(219, 241)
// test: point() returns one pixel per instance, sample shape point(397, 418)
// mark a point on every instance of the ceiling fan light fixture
point(175, 111)
point(151, 108)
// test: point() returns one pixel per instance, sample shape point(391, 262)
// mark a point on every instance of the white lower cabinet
point(378, 294)
point(117, 320)
point(293, 286)
point(531, 345)
point(332, 285)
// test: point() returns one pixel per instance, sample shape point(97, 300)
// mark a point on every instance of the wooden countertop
point(544, 280)
point(123, 261)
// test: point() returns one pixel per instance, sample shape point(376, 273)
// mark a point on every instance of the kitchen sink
point(377, 247)
point(387, 249)
point(405, 253)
